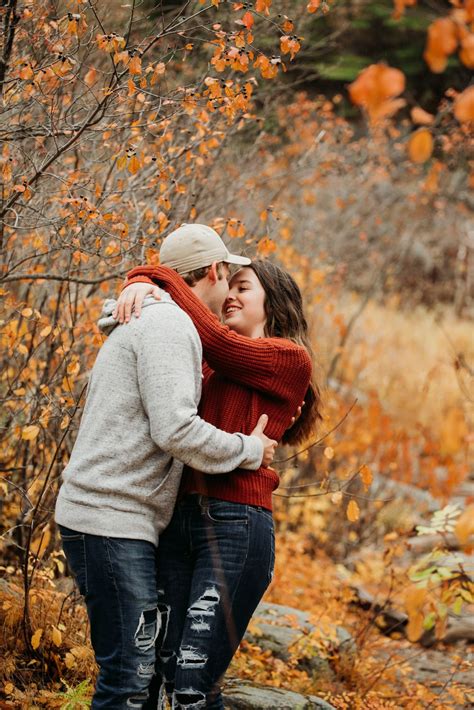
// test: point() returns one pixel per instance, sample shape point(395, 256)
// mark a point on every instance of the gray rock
point(247, 697)
point(282, 626)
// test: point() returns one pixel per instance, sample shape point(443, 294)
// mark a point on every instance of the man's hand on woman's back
point(269, 445)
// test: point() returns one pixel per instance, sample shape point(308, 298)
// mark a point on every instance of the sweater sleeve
point(169, 379)
point(270, 365)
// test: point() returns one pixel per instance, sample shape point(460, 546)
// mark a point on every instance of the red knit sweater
point(243, 378)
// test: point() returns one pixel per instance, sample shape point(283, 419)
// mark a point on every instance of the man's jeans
point(215, 561)
point(117, 577)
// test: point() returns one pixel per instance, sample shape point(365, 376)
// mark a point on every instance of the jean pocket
point(219, 511)
point(74, 546)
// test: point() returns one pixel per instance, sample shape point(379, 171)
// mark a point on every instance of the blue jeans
point(117, 578)
point(215, 561)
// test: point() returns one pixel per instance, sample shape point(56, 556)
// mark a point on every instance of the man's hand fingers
point(261, 424)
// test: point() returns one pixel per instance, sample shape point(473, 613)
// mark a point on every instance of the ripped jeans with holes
point(117, 578)
point(215, 561)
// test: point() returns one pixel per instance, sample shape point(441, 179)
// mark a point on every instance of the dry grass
point(408, 358)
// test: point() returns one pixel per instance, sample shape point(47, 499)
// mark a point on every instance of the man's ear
point(212, 274)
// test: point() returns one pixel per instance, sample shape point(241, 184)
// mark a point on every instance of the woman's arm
point(268, 364)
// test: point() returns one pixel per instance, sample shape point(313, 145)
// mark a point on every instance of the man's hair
point(192, 277)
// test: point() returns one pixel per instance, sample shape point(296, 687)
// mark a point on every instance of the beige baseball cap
point(193, 246)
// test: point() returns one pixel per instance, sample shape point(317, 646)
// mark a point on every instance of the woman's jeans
point(215, 561)
point(117, 577)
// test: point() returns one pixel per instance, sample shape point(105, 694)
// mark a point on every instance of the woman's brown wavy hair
point(285, 319)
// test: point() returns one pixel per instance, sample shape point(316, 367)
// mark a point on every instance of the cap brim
point(234, 259)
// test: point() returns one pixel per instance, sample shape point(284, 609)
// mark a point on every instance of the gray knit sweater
point(139, 426)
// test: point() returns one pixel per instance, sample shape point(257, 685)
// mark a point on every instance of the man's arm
point(169, 377)
point(270, 365)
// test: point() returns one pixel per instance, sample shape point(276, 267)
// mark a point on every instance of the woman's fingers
point(131, 299)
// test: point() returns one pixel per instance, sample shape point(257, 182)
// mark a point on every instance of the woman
point(216, 557)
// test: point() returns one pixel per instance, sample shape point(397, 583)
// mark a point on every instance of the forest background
point(334, 138)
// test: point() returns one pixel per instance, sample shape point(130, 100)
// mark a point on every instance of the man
point(139, 425)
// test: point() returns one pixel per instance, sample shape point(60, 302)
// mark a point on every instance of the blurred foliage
point(357, 33)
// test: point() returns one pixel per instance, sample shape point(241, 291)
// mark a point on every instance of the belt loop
point(203, 503)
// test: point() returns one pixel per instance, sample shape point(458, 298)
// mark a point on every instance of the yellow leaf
point(36, 638)
point(353, 512)
point(420, 146)
point(30, 432)
point(40, 544)
point(73, 368)
point(8, 688)
point(56, 636)
point(329, 452)
point(46, 331)
point(69, 660)
point(27, 312)
point(366, 475)
point(121, 163)
point(65, 422)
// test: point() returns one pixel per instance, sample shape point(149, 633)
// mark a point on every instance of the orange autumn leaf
point(248, 20)
point(263, 6)
point(420, 146)
point(353, 511)
point(436, 62)
point(91, 76)
point(466, 54)
point(133, 165)
point(421, 117)
point(465, 525)
point(290, 45)
point(442, 41)
point(266, 246)
point(399, 7)
point(26, 72)
point(313, 5)
point(135, 66)
point(366, 476)
point(375, 90)
point(415, 627)
point(414, 600)
point(464, 106)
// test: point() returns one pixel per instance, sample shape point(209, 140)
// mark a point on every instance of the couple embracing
point(165, 508)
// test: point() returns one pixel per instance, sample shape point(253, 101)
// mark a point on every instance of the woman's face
point(243, 309)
